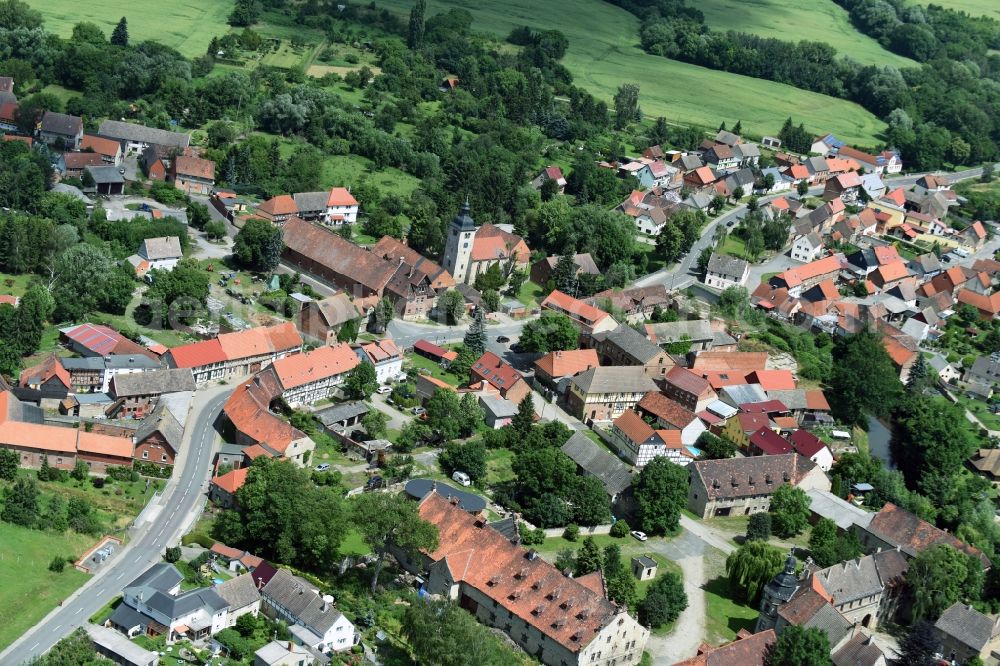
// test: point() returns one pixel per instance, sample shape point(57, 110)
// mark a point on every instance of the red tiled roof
point(816, 400)
point(772, 380)
point(687, 381)
point(568, 363)
point(793, 277)
point(76, 161)
point(283, 204)
point(500, 570)
point(666, 410)
point(900, 527)
point(248, 408)
point(381, 350)
point(574, 308)
point(765, 407)
point(100, 145)
point(751, 422)
point(495, 371)
point(747, 650)
point(198, 167)
point(321, 363)
point(42, 372)
point(232, 481)
point(769, 442)
point(633, 427)
point(806, 443)
point(198, 354)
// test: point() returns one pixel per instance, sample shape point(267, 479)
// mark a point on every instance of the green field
point(604, 53)
point(791, 20)
point(186, 25)
point(28, 590)
point(975, 7)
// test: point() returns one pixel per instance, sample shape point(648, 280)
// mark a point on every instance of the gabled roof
point(163, 422)
point(772, 380)
point(491, 243)
point(595, 461)
point(722, 360)
point(574, 308)
point(747, 650)
point(248, 408)
point(497, 372)
point(185, 165)
point(635, 428)
point(615, 379)
point(61, 123)
point(632, 343)
point(152, 382)
point(301, 599)
point(341, 256)
point(666, 410)
point(260, 341)
point(394, 250)
point(793, 277)
point(899, 527)
point(123, 131)
point(860, 650)
point(769, 442)
point(757, 475)
point(806, 443)
point(198, 354)
point(726, 266)
point(232, 481)
point(164, 247)
point(968, 626)
point(380, 351)
point(48, 369)
point(687, 381)
point(103, 341)
point(100, 145)
point(319, 364)
point(336, 310)
point(567, 363)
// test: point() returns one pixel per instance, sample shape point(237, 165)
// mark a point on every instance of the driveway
point(397, 419)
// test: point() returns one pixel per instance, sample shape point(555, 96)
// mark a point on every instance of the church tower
point(776, 594)
point(458, 247)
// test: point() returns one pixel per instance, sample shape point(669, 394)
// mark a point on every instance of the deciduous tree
point(550, 332)
point(940, 576)
point(361, 382)
point(789, 510)
point(258, 246)
point(798, 646)
point(661, 492)
point(664, 601)
point(752, 566)
point(386, 520)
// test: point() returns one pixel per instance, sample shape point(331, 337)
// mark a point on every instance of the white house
point(315, 375)
point(312, 619)
point(807, 248)
point(163, 252)
point(385, 356)
point(809, 445)
point(724, 271)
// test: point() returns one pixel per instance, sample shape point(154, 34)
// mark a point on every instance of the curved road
point(180, 502)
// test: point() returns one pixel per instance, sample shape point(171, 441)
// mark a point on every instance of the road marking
point(77, 611)
point(33, 646)
point(120, 576)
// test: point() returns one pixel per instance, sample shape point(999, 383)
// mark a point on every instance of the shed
point(644, 567)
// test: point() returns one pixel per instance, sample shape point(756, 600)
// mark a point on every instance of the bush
point(57, 564)
point(97, 482)
point(619, 529)
point(172, 554)
point(572, 532)
point(664, 601)
point(531, 537)
point(759, 527)
point(150, 469)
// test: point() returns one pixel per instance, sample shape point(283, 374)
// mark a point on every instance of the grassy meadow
point(604, 53)
point(989, 8)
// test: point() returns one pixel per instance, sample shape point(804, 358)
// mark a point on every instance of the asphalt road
point(405, 333)
point(685, 272)
point(180, 502)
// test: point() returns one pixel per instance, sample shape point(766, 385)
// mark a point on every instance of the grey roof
point(311, 201)
point(229, 449)
point(720, 338)
point(163, 422)
point(163, 247)
point(859, 651)
point(159, 577)
point(698, 200)
point(829, 620)
point(345, 410)
point(727, 266)
point(299, 598)
point(827, 505)
point(115, 129)
point(419, 488)
point(112, 361)
point(186, 602)
point(72, 191)
point(726, 137)
point(613, 474)
point(506, 526)
point(276, 651)
point(645, 561)
point(967, 625)
point(815, 164)
point(691, 162)
point(153, 382)
point(116, 643)
point(84, 363)
point(615, 379)
point(92, 398)
point(812, 238)
point(239, 592)
point(784, 585)
point(851, 580)
point(499, 407)
point(61, 123)
point(633, 343)
point(741, 178)
point(698, 330)
point(127, 617)
point(938, 362)
point(926, 263)
point(104, 175)
point(747, 150)
point(793, 398)
point(742, 394)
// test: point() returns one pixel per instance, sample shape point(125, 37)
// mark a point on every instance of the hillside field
point(604, 53)
point(793, 20)
point(186, 25)
point(989, 8)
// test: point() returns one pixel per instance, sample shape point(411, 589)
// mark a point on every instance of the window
point(145, 454)
point(163, 457)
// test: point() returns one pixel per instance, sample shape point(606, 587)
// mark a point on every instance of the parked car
point(323, 467)
point(641, 536)
point(419, 410)
point(503, 339)
point(382, 390)
point(462, 478)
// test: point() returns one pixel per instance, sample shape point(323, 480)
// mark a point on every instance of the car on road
point(503, 339)
point(382, 390)
point(323, 467)
point(419, 410)
point(641, 536)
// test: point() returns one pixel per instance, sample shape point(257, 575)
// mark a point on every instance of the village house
point(315, 375)
point(724, 272)
point(556, 619)
point(501, 376)
point(587, 318)
point(809, 445)
point(743, 486)
point(638, 303)
point(626, 346)
point(100, 340)
point(135, 393)
point(158, 438)
point(222, 489)
point(241, 592)
point(234, 355)
point(321, 321)
point(688, 389)
point(395, 251)
point(800, 278)
point(555, 369)
point(746, 650)
point(109, 150)
point(107, 180)
point(604, 393)
point(153, 604)
point(963, 633)
point(63, 131)
point(471, 250)
point(72, 165)
point(807, 248)
point(671, 415)
point(594, 460)
point(256, 427)
point(697, 333)
point(193, 175)
point(896, 528)
point(136, 138)
point(283, 653)
point(638, 442)
point(161, 253)
point(552, 173)
point(385, 356)
point(541, 270)
point(312, 618)
point(321, 252)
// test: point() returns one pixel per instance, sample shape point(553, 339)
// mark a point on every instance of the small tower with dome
point(776, 593)
point(458, 246)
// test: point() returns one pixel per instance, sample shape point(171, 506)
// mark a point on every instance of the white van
point(462, 478)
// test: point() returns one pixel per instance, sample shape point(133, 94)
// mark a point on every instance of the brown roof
point(633, 427)
point(687, 381)
point(185, 165)
point(393, 250)
point(746, 361)
point(492, 242)
point(561, 608)
point(100, 145)
point(339, 255)
point(666, 410)
point(747, 650)
point(899, 527)
point(491, 368)
point(248, 410)
point(76, 161)
point(283, 204)
point(568, 363)
point(39, 374)
point(758, 475)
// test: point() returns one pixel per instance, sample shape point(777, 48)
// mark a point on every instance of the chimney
point(291, 646)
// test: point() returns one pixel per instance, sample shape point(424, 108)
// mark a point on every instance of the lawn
point(354, 544)
point(433, 369)
point(498, 466)
point(186, 25)
point(725, 613)
point(981, 411)
point(28, 590)
point(792, 20)
point(974, 7)
point(348, 170)
point(117, 501)
point(604, 53)
point(629, 545)
point(530, 293)
point(734, 247)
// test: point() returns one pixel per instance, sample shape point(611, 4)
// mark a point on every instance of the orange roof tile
point(793, 277)
point(341, 196)
point(568, 363)
point(105, 445)
point(574, 308)
point(194, 166)
point(773, 380)
point(721, 361)
point(260, 341)
point(198, 354)
point(633, 427)
point(232, 481)
point(100, 145)
point(42, 372)
point(816, 400)
point(322, 363)
point(283, 204)
point(248, 410)
point(886, 254)
point(39, 437)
